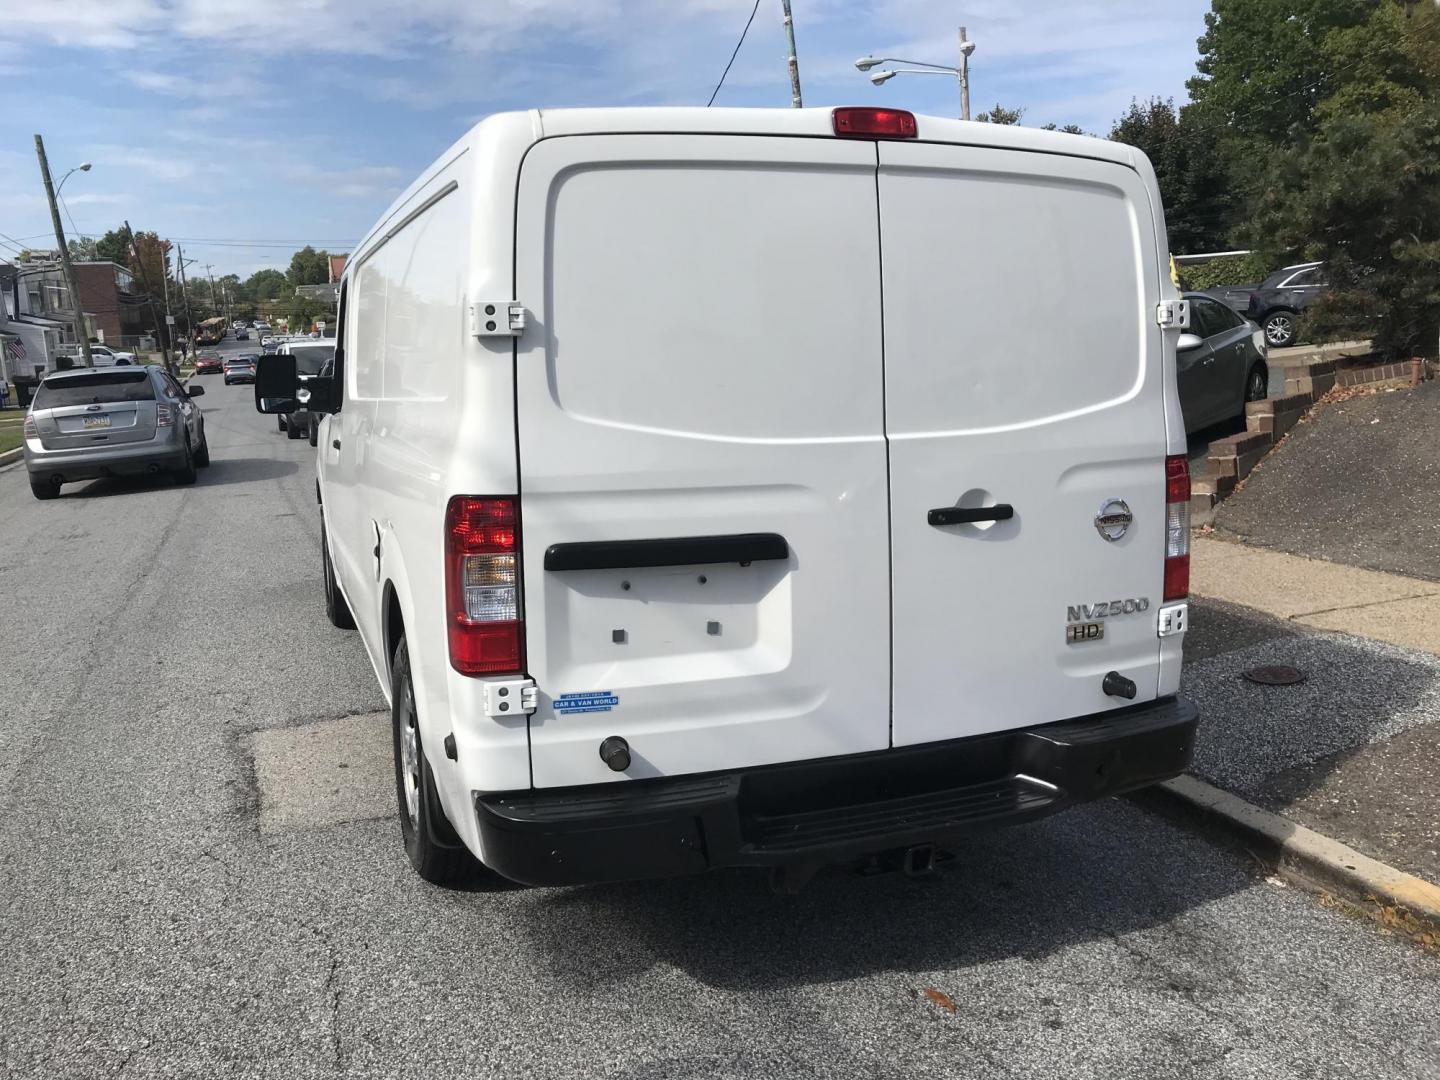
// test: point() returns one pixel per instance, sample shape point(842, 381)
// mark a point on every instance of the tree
point(82, 248)
point(114, 246)
point(267, 285)
point(1194, 183)
point(1357, 183)
point(309, 267)
point(1068, 129)
point(150, 262)
point(1001, 115)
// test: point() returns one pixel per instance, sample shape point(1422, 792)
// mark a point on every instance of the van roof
point(540, 124)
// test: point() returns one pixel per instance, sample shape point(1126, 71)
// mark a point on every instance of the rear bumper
point(154, 455)
point(830, 809)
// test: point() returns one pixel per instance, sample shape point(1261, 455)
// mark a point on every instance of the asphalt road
point(166, 914)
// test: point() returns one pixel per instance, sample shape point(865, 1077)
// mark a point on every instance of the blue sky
point(225, 123)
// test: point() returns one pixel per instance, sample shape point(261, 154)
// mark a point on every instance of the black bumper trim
point(830, 809)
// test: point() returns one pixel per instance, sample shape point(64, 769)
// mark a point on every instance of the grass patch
point(10, 437)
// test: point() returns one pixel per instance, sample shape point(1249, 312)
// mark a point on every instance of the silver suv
point(118, 421)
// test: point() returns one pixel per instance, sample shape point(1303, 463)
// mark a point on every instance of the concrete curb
point(1399, 901)
point(11, 455)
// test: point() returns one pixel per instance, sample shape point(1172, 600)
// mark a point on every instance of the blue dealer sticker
point(590, 701)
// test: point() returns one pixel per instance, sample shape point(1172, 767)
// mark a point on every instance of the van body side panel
point(705, 362)
point(1023, 367)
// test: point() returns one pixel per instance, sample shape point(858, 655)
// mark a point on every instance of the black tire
point(281, 421)
point(186, 473)
point(430, 841)
point(44, 490)
point(314, 433)
point(1280, 329)
point(294, 431)
point(202, 456)
point(336, 609)
point(1257, 383)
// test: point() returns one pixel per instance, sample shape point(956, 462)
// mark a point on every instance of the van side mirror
point(324, 394)
point(194, 391)
point(1186, 342)
point(277, 385)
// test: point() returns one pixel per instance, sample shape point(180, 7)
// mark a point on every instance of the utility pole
point(145, 284)
point(793, 61)
point(185, 298)
point(165, 288)
point(965, 76)
point(211, 276)
point(81, 332)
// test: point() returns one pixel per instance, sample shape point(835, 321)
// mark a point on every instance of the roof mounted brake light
point(867, 123)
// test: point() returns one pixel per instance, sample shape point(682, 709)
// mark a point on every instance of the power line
point(734, 54)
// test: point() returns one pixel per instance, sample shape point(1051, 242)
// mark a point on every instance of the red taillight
point(164, 415)
point(1177, 527)
point(30, 430)
point(868, 123)
point(482, 586)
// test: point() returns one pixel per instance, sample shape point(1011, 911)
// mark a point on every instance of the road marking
point(325, 773)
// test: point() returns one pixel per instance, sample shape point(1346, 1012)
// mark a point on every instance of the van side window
point(337, 363)
point(409, 316)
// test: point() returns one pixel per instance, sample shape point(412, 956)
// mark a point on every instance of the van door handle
point(960, 515)
point(335, 443)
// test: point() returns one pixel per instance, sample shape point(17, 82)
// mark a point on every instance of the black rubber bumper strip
point(678, 551)
point(830, 809)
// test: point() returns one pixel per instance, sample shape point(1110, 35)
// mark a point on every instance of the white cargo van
point(750, 487)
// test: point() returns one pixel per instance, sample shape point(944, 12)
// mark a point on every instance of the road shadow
point(243, 470)
point(1026, 892)
point(220, 471)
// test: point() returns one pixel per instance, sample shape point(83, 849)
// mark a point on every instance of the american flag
point(15, 349)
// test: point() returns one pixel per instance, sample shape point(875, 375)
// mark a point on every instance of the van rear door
point(703, 374)
point(1022, 370)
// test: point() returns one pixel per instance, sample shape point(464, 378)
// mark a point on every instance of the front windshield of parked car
point(309, 360)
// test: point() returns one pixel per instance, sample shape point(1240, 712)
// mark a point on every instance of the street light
point(921, 67)
point(84, 166)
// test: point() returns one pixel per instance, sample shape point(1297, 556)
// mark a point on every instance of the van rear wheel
point(281, 421)
point(431, 845)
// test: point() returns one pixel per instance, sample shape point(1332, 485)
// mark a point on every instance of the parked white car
point(103, 356)
point(698, 503)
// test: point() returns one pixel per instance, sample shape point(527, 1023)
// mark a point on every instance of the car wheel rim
point(410, 766)
point(1257, 387)
point(1278, 331)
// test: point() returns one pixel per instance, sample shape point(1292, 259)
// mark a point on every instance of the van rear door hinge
point(496, 318)
point(510, 697)
point(1173, 314)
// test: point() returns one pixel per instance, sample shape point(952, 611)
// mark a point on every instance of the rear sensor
point(615, 752)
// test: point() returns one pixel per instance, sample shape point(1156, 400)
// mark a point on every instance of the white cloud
point(361, 181)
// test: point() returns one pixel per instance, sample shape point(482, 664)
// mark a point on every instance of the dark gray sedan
point(1220, 364)
point(116, 421)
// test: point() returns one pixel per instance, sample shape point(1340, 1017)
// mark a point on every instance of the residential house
point(115, 310)
point(29, 345)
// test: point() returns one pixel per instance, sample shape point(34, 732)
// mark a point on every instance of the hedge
point(1230, 270)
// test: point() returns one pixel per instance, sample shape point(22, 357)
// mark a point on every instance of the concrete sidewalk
point(1353, 752)
point(1317, 594)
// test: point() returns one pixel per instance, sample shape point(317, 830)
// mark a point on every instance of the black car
point(1279, 299)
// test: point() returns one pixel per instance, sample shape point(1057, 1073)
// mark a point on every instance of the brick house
point(114, 308)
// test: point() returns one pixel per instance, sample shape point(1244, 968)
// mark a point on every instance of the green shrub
point(1231, 270)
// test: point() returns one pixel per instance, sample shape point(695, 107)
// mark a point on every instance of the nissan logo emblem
point(1113, 519)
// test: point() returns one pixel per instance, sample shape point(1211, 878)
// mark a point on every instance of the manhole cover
point(1275, 675)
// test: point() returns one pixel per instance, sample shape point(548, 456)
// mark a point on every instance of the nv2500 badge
point(1083, 619)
